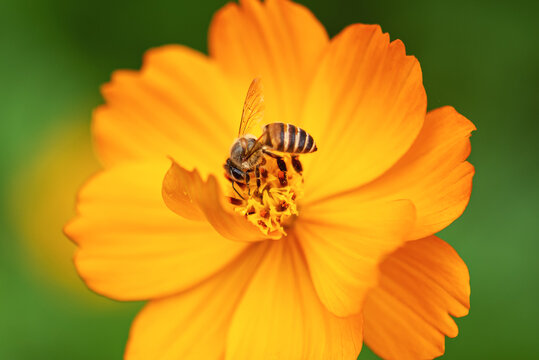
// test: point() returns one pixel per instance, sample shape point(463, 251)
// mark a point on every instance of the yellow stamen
point(272, 206)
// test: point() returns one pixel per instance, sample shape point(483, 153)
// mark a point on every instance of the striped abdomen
point(288, 138)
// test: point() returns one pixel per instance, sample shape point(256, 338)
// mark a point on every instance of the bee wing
point(253, 107)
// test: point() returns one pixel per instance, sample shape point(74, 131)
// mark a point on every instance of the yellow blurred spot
point(43, 200)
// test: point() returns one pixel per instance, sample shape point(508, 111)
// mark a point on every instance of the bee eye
point(237, 174)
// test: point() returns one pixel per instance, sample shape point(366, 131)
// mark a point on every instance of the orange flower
point(354, 260)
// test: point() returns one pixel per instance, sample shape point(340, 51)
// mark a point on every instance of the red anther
point(263, 173)
point(251, 210)
point(263, 224)
point(264, 213)
point(282, 206)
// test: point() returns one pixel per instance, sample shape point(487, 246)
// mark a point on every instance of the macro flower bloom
point(341, 253)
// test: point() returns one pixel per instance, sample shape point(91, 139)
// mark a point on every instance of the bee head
point(235, 173)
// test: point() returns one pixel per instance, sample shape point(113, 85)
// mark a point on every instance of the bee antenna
point(233, 187)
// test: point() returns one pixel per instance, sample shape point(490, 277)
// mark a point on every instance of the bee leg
point(247, 179)
point(282, 166)
point(257, 174)
point(281, 175)
point(297, 164)
point(280, 161)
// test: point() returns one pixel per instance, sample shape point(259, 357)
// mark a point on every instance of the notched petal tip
point(188, 195)
point(450, 114)
point(69, 232)
point(73, 230)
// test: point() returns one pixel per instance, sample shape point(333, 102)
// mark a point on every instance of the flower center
point(271, 206)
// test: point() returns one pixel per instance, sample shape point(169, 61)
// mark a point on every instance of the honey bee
point(247, 151)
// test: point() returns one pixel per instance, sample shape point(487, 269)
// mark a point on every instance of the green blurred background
point(481, 57)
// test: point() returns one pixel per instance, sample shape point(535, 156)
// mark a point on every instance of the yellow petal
point(281, 317)
point(364, 109)
point(193, 324)
point(344, 244)
point(433, 174)
point(278, 41)
point(407, 315)
point(172, 107)
point(185, 193)
point(131, 246)
point(180, 189)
